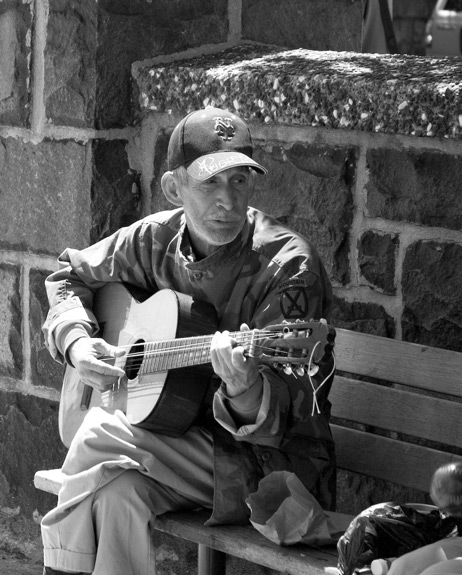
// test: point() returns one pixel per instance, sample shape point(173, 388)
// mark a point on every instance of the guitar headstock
point(295, 346)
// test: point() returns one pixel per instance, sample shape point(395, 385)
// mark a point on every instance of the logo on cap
point(223, 128)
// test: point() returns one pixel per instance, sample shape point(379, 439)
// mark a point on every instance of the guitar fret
point(206, 350)
point(166, 355)
point(197, 355)
point(178, 354)
point(203, 351)
point(147, 365)
point(191, 351)
point(192, 355)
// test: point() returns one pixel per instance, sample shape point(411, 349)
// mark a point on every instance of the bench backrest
point(401, 418)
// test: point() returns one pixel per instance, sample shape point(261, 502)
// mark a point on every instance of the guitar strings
point(257, 334)
point(167, 347)
point(147, 359)
point(198, 344)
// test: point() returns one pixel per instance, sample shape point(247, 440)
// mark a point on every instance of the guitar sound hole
point(135, 359)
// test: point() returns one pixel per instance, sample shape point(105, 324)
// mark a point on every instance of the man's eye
point(239, 180)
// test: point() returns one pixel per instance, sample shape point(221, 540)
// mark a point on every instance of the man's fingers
point(103, 367)
point(238, 356)
point(104, 348)
point(89, 356)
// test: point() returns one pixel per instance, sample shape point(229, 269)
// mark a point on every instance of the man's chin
point(222, 237)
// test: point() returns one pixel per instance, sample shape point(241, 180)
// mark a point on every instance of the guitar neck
point(184, 352)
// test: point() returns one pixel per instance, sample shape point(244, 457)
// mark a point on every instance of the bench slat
point(416, 365)
point(247, 543)
point(391, 409)
point(49, 480)
point(396, 461)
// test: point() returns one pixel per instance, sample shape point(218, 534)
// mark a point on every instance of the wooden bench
point(397, 409)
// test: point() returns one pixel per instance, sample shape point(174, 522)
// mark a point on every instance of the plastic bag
point(285, 512)
point(389, 530)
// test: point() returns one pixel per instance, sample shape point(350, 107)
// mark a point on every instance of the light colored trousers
point(117, 476)
point(434, 559)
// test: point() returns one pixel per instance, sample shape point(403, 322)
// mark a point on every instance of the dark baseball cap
point(210, 141)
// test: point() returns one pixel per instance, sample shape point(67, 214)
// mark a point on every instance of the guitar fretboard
point(184, 352)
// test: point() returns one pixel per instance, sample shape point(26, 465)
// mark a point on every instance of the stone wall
point(80, 156)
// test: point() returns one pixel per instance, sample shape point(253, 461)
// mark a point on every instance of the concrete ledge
point(410, 95)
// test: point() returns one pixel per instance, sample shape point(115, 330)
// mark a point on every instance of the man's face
point(216, 208)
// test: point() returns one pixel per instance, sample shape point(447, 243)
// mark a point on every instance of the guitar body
point(165, 401)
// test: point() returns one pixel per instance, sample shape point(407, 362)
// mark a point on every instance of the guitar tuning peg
point(300, 370)
point(287, 369)
point(313, 370)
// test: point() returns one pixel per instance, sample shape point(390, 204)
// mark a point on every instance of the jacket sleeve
point(70, 290)
point(287, 400)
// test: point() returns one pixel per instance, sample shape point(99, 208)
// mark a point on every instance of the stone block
point(29, 441)
point(70, 62)
point(115, 189)
point(316, 25)
point(44, 370)
point(376, 93)
point(418, 186)
point(432, 298)
point(143, 29)
point(45, 196)
point(15, 30)
point(158, 200)
point(364, 317)
point(308, 188)
point(377, 259)
point(12, 355)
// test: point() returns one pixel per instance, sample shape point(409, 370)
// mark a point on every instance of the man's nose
point(225, 196)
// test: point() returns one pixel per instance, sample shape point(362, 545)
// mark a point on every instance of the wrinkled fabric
point(116, 476)
point(266, 275)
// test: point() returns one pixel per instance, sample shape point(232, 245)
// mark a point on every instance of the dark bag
point(389, 530)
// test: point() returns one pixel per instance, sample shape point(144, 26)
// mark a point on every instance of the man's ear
point(253, 181)
point(170, 188)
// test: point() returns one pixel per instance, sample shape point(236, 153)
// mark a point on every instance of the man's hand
point(230, 364)
point(84, 354)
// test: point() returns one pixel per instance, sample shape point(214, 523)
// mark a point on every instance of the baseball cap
point(210, 141)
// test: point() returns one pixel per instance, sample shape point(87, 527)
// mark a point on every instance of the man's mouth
point(225, 219)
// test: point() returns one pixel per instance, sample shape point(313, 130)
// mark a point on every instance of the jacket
point(268, 274)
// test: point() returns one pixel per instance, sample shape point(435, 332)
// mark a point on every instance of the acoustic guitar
point(167, 365)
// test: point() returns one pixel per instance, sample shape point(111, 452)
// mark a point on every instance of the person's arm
point(242, 382)
point(71, 325)
point(260, 412)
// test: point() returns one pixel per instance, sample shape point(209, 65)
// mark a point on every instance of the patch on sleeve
point(293, 299)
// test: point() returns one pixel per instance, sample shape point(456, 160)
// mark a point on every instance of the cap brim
point(207, 166)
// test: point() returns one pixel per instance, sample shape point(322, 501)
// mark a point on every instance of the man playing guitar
point(261, 406)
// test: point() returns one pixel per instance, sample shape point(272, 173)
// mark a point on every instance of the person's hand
point(84, 354)
point(236, 370)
